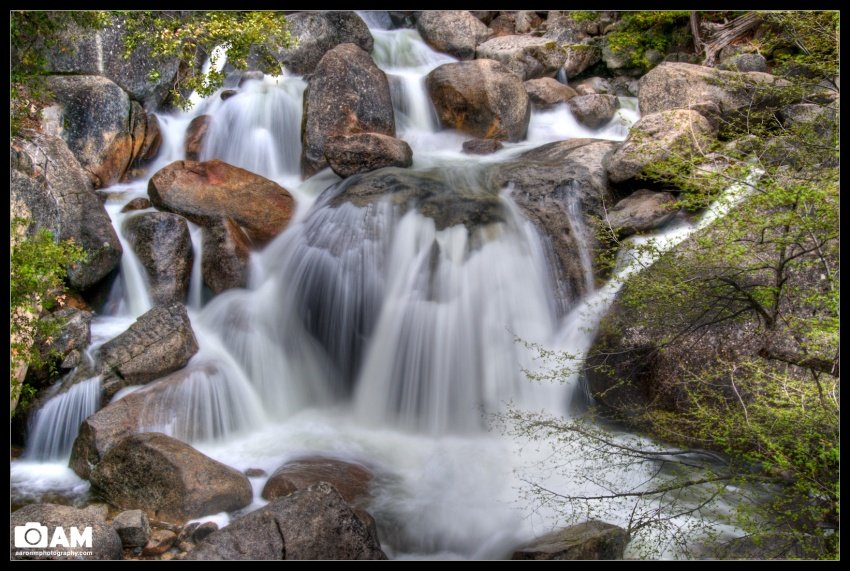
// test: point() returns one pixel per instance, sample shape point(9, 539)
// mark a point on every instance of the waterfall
point(55, 425)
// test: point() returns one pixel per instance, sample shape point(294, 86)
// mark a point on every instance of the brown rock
point(351, 480)
point(205, 192)
point(546, 91)
point(196, 132)
point(480, 97)
point(168, 479)
point(641, 211)
point(481, 146)
point(593, 540)
point(161, 541)
point(364, 152)
point(593, 111)
point(455, 32)
point(137, 204)
point(226, 256)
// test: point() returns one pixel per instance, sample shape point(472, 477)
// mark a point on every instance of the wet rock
point(350, 480)
point(161, 541)
point(593, 111)
point(480, 97)
point(320, 32)
point(168, 479)
point(225, 261)
point(654, 137)
point(196, 132)
point(159, 342)
point(641, 211)
point(546, 92)
point(314, 523)
point(137, 204)
point(162, 243)
point(105, 544)
point(148, 151)
point(347, 94)
point(528, 57)
point(133, 528)
point(227, 94)
point(455, 32)
point(364, 152)
point(256, 473)
point(481, 146)
point(208, 191)
point(48, 187)
point(592, 85)
point(580, 57)
point(203, 531)
point(594, 540)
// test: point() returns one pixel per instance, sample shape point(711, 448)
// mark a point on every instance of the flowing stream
point(366, 334)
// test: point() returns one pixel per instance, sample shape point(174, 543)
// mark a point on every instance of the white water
point(368, 333)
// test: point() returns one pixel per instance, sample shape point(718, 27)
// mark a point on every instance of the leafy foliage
point(37, 267)
point(193, 37)
point(644, 30)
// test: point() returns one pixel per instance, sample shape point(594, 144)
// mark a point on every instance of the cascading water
point(369, 332)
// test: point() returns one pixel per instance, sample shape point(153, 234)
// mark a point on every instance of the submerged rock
point(350, 480)
point(168, 479)
point(593, 540)
point(482, 98)
point(314, 523)
point(481, 146)
point(226, 256)
point(593, 111)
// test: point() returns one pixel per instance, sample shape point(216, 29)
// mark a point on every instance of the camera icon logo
point(32, 534)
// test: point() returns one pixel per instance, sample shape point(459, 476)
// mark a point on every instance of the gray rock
point(72, 339)
point(526, 56)
point(364, 152)
point(654, 137)
point(209, 191)
point(480, 97)
point(744, 62)
point(106, 544)
point(168, 479)
point(133, 528)
point(49, 187)
point(546, 92)
point(196, 132)
point(226, 256)
point(347, 94)
point(579, 57)
point(314, 523)
point(641, 211)
point(159, 342)
point(560, 187)
point(162, 243)
point(592, 85)
point(594, 540)
point(137, 204)
point(593, 111)
point(823, 120)
point(455, 32)
point(320, 32)
point(561, 27)
point(681, 85)
point(96, 124)
point(481, 146)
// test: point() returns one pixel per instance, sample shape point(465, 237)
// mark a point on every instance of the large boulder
point(482, 98)
point(528, 57)
point(561, 187)
point(455, 32)
point(593, 111)
point(159, 342)
point(593, 540)
point(226, 256)
point(49, 187)
point(314, 523)
point(364, 152)
point(162, 243)
point(641, 211)
point(105, 542)
point(682, 86)
point(656, 137)
point(546, 92)
point(208, 191)
point(101, 52)
point(320, 32)
point(168, 479)
point(350, 480)
point(579, 57)
point(347, 94)
point(95, 120)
